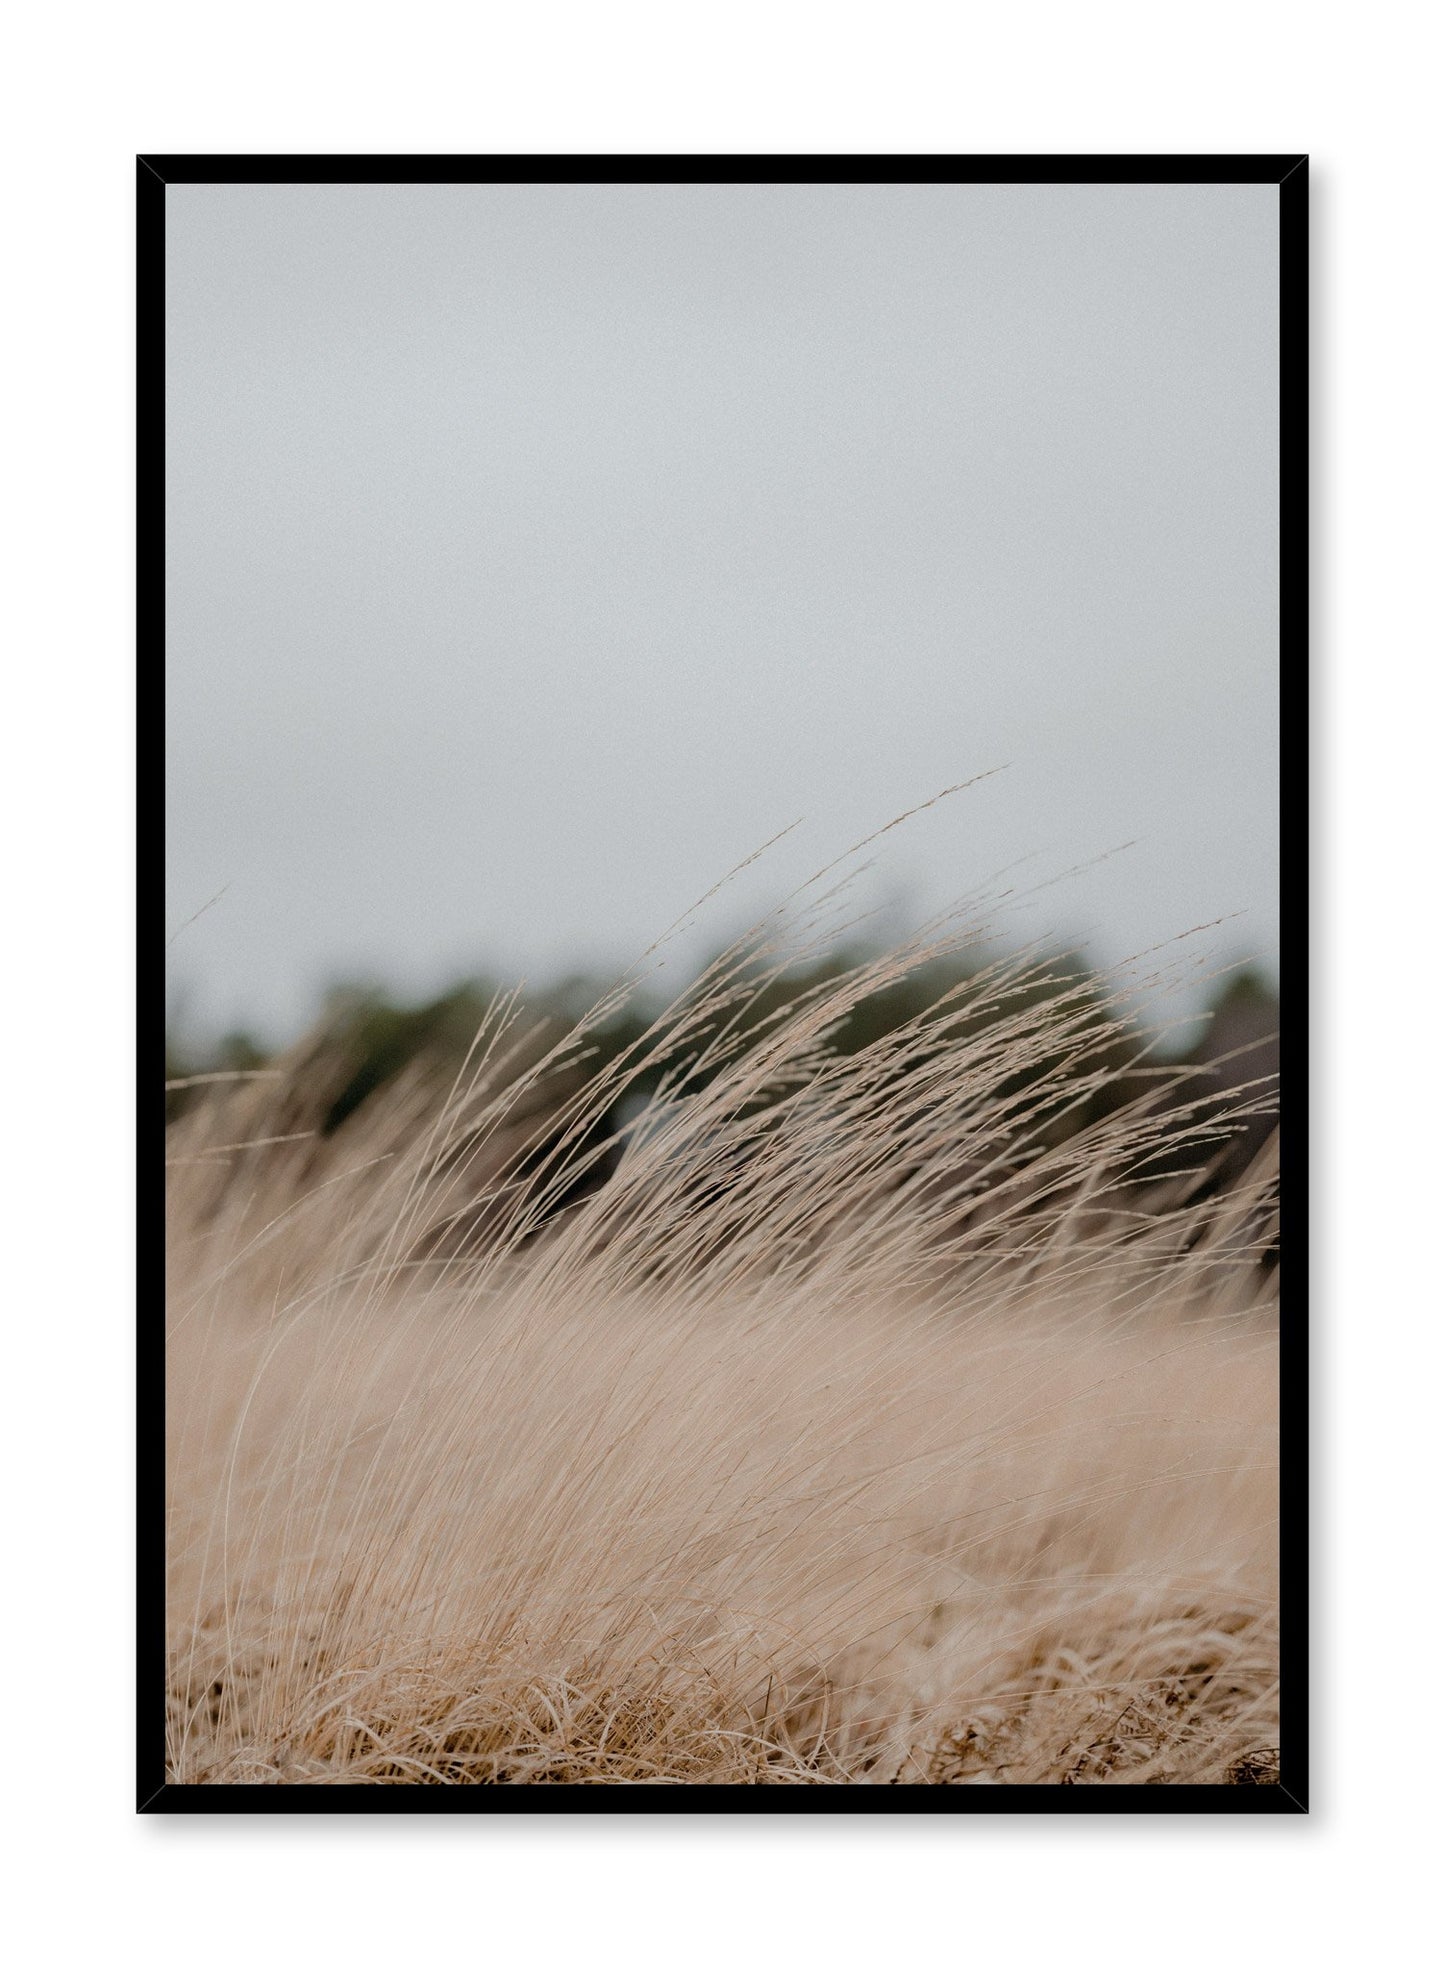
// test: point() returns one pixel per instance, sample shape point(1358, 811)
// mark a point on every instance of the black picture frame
point(155, 172)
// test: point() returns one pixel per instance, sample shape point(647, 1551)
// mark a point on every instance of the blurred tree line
point(364, 1039)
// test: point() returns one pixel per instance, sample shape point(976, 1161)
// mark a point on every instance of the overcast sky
point(534, 553)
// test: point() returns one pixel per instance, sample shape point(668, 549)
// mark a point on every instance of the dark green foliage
point(375, 1039)
point(378, 1038)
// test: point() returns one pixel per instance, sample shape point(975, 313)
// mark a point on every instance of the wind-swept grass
point(869, 1422)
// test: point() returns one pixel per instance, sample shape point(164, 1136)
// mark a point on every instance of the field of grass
point(869, 1424)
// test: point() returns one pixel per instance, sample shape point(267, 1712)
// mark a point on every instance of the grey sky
point(535, 553)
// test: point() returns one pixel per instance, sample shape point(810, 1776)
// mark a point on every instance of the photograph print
point(723, 806)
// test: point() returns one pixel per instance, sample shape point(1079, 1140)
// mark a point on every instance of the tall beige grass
point(866, 1426)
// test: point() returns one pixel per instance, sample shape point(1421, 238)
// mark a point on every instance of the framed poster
point(722, 815)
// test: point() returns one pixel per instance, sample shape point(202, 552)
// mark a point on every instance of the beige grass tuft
point(866, 1427)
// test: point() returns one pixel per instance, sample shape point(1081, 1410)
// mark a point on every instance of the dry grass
point(865, 1427)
